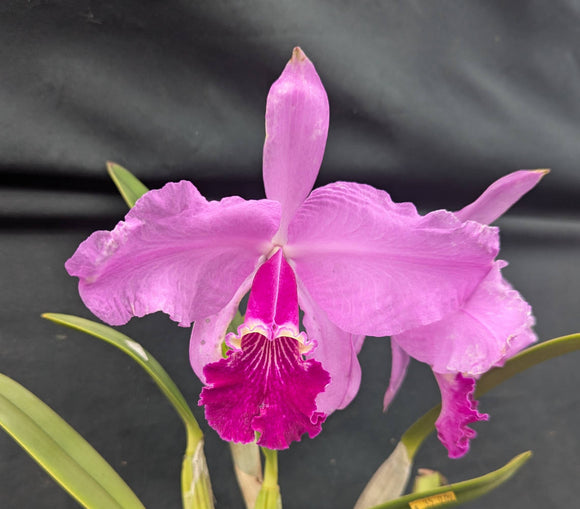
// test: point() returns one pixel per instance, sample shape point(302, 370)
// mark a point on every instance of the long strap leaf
point(458, 493)
point(130, 187)
point(139, 355)
point(196, 487)
point(61, 451)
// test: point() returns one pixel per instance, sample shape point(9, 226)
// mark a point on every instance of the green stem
point(269, 496)
point(270, 467)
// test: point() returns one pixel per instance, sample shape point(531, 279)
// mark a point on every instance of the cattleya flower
point(354, 261)
point(491, 325)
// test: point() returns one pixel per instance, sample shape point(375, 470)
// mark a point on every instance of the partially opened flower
point(492, 325)
point(355, 262)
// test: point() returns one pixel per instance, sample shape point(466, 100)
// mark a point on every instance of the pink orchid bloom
point(354, 261)
point(491, 325)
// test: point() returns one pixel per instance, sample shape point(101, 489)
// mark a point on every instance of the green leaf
point(392, 476)
point(130, 187)
point(138, 354)
point(458, 493)
point(526, 359)
point(196, 487)
point(420, 430)
point(61, 451)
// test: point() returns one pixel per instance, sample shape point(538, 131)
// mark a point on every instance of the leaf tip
point(111, 166)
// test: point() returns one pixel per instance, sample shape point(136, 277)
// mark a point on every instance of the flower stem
point(269, 496)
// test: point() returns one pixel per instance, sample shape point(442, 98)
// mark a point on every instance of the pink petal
point(523, 339)
point(273, 302)
point(264, 387)
point(399, 364)
point(296, 129)
point(337, 351)
point(458, 410)
point(175, 252)
point(358, 342)
point(208, 334)
point(378, 267)
point(492, 325)
point(500, 196)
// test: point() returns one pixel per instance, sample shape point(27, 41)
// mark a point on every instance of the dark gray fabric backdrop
point(431, 101)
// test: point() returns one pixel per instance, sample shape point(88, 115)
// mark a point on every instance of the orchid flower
point(492, 325)
point(354, 261)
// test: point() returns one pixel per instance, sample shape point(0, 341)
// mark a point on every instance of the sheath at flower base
point(491, 326)
point(363, 265)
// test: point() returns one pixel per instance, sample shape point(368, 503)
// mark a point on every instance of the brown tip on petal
point(298, 55)
point(543, 172)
